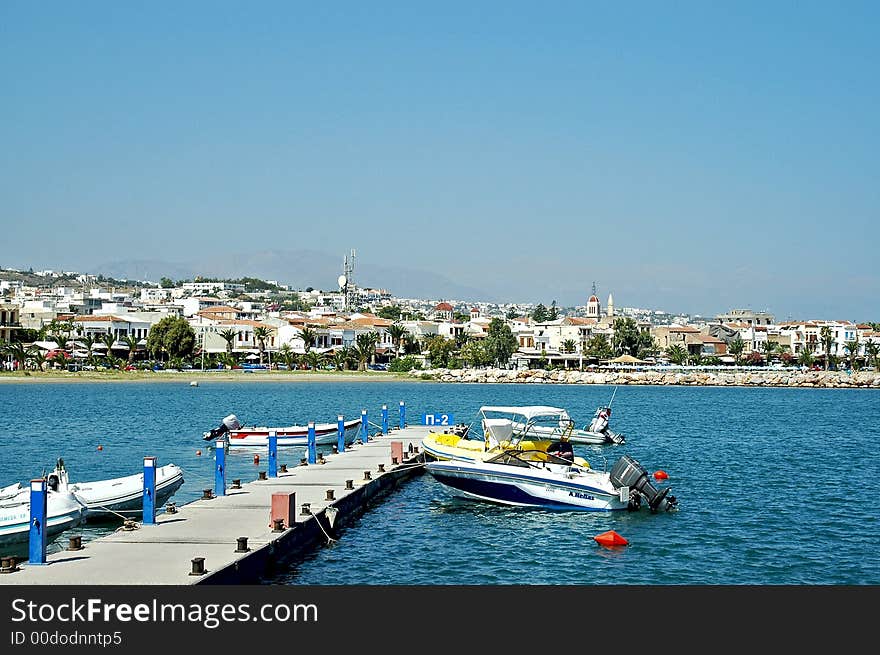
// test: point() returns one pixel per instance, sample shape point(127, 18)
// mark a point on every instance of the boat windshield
point(515, 424)
point(527, 458)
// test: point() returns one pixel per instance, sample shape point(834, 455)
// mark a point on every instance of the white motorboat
point(537, 478)
point(63, 511)
point(117, 497)
point(292, 435)
point(556, 423)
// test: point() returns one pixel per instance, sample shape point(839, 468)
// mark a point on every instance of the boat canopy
point(528, 412)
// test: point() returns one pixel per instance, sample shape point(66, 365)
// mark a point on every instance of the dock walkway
point(163, 554)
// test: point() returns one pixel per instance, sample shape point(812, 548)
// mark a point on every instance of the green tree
point(476, 353)
point(37, 357)
point(553, 312)
point(390, 312)
point(61, 340)
point(396, 331)
point(461, 317)
point(131, 342)
point(736, 348)
point(872, 354)
point(88, 343)
point(166, 283)
point(411, 344)
point(261, 333)
point(309, 336)
point(569, 346)
point(805, 358)
point(511, 314)
point(677, 354)
point(109, 340)
point(287, 356)
point(404, 364)
point(827, 339)
point(343, 357)
point(500, 342)
point(314, 360)
point(599, 346)
point(228, 336)
point(440, 351)
point(20, 354)
point(852, 349)
point(769, 347)
point(628, 339)
point(172, 335)
point(539, 314)
point(365, 346)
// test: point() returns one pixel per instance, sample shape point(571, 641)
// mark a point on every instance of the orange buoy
point(198, 453)
point(610, 538)
point(661, 475)
point(100, 447)
point(256, 459)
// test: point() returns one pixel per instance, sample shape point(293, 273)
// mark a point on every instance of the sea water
point(775, 485)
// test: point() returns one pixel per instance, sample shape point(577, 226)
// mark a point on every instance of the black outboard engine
point(229, 423)
point(627, 472)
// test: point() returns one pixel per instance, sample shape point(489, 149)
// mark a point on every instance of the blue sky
point(686, 156)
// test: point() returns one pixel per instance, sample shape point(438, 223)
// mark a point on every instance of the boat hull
point(64, 511)
point(493, 484)
point(446, 447)
point(296, 435)
point(108, 499)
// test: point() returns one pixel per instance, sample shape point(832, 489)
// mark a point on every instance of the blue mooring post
point(273, 454)
point(384, 419)
point(402, 415)
point(37, 537)
point(149, 491)
point(340, 438)
point(220, 468)
point(364, 434)
point(313, 448)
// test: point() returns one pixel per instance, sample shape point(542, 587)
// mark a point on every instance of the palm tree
point(309, 336)
point(736, 348)
point(569, 346)
point(827, 339)
point(366, 348)
point(131, 343)
point(769, 347)
point(61, 341)
point(287, 356)
point(229, 337)
point(37, 357)
point(805, 358)
point(261, 333)
point(852, 349)
point(872, 353)
point(411, 344)
point(314, 360)
point(342, 357)
point(88, 342)
point(108, 340)
point(19, 354)
point(396, 331)
point(677, 354)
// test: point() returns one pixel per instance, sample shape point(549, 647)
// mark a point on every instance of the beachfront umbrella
point(626, 359)
point(252, 356)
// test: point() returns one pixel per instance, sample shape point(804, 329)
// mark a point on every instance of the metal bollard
point(75, 543)
point(381, 468)
point(303, 462)
point(331, 495)
point(394, 460)
point(349, 484)
point(8, 565)
point(242, 545)
point(367, 475)
point(283, 468)
point(207, 494)
point(262, 475)
point(335, 450)
point(306, 509)
point(198, 566)
point(236, 484)
point(170, 508)
point(278, 525)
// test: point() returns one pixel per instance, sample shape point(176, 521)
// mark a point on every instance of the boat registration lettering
point(578, 494)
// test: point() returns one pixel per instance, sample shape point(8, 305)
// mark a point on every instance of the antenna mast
point(349, 287)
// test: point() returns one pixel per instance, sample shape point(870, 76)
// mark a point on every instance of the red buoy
point(256, 459)
point(198, 452)
point(661, 475)
point(100, 447)
point(610, 538)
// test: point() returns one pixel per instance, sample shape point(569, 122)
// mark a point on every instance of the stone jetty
point(732, 378)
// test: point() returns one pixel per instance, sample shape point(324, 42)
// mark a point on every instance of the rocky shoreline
point(783, 378)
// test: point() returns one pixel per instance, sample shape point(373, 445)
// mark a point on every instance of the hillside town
point(73, 321)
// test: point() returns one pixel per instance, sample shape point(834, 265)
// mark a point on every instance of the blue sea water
point(776, 486)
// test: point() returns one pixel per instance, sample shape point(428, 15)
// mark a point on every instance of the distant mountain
point(300, 269)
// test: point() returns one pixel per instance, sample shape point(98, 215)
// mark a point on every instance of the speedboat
point(106, 499)
point(557, 422)
point(536, 478)
point(63, 511)
point(292, 435)
point(501, 428)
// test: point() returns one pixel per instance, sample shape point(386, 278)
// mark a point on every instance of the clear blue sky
point(687, 156)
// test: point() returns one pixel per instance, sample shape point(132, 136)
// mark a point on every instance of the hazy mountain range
point(299, 269)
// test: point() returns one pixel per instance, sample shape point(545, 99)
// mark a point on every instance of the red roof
point(444, 307)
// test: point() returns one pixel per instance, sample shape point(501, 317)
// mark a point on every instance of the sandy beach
point(204, 376)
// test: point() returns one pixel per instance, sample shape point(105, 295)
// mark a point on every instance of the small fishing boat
point(117, 497)
point(292, 435)
point(63, 511)
point(536, 478)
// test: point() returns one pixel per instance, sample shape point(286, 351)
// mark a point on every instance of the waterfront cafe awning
point(625, 359)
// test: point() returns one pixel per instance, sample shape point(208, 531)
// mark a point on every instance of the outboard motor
point(627, 472)
point(600, 420)
point(228, 423)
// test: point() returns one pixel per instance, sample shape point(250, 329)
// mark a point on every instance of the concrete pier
point(163, 554)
